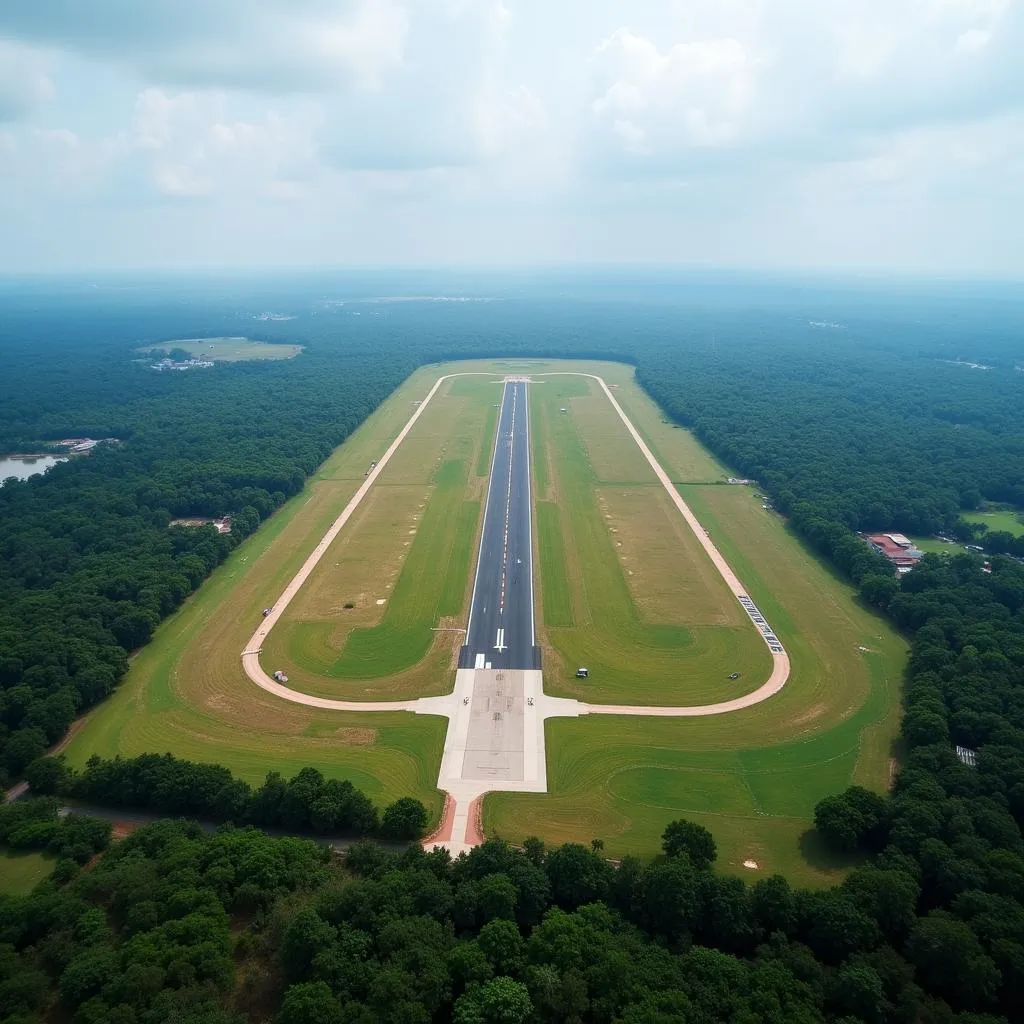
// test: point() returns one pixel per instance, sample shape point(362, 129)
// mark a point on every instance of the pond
point(24, 466)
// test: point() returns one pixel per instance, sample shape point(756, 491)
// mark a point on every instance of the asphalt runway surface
point(500, 631)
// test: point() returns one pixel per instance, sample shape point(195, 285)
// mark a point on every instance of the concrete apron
point(494, 743)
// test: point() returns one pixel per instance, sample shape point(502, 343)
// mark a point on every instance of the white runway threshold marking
point(495, 736)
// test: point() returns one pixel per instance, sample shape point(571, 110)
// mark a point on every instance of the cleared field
point(228, 350)
point(752, 776)
point(364, 623)
point(630, 593)
point(937, 547)
point(22, 872)
point(1005, 520)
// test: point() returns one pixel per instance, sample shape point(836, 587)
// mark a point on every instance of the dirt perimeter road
point(465, 788)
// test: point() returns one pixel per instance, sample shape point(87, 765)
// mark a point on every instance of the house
point(897, 548)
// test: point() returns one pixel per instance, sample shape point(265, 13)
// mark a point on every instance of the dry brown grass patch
point(671, 579)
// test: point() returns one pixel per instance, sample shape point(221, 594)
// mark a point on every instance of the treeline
point(174, 924)
point(170, 785)
point(868, 441)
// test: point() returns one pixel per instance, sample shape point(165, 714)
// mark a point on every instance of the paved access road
point(500, 631)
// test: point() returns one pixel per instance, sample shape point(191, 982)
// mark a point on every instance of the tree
point(851, 820)
point(310, 1002)
point(685, 837)
point(306, 936)
point(406, 818)
point(499, 1001)
point(503, 946)
point(951, 961)
point(47, 775)
point(577, 875)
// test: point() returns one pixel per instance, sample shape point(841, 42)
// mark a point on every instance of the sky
point(811, 134)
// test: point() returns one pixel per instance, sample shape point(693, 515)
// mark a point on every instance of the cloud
point(604, 129)
point(445, 106)
point(798, 81)
point(656, 106)
point(191, 145)
point(24, 80)
point(264, 45)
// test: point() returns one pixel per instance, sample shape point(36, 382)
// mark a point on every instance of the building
point(897, 548)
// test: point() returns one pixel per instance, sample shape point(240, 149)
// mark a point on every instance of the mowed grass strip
point(363, 626)
point(681, 455)
point(556, 598)
point(423, 592)
point(631, 659)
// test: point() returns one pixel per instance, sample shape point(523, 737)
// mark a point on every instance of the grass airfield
point(619, 585)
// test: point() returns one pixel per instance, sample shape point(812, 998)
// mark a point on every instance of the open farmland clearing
point(227, 350)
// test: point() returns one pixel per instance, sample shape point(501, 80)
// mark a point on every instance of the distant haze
point(859, 134)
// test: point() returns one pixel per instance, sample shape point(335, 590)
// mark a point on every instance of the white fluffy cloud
point(579, 129)
point(192, 147)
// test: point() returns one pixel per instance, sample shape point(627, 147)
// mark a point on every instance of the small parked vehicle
point(582, 673)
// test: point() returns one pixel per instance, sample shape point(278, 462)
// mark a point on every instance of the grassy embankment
point(753, 776)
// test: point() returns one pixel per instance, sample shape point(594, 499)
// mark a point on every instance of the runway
point(500, 629)
point(497, 709)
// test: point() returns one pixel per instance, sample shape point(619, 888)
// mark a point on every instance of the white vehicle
point(582, 673)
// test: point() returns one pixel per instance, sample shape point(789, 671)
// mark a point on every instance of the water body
point(23, 468)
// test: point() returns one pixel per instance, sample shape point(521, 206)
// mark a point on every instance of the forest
point(174, 924)
point(872, 424)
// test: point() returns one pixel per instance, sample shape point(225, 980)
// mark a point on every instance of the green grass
point(555, 594)
point(596, 621)
point(752, 777)
point(227, 350)
point(1003, 520)
point(932, 545)
point(423, 593)
point(483, 460)
point(333, 638)
point(21, 872)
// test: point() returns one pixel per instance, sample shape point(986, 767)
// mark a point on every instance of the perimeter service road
point(500, 631)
